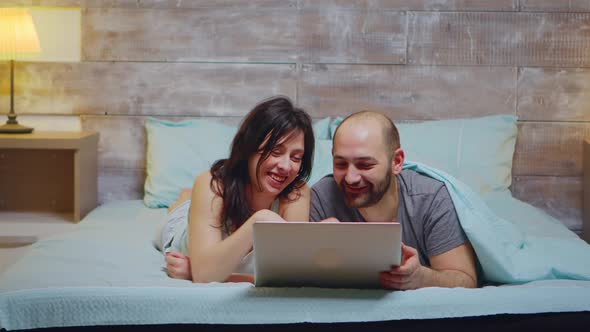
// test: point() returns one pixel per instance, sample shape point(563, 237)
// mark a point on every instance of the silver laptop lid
point(336, 255)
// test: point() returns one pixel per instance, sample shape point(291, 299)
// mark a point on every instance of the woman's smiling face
point(281, 166)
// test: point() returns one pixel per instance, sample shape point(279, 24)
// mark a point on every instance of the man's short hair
point(390, 134)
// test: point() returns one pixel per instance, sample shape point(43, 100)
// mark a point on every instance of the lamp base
point(10, 128)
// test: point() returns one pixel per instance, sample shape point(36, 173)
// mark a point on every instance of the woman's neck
point(258, 200)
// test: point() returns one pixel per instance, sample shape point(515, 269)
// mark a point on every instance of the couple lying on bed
point(264, 179)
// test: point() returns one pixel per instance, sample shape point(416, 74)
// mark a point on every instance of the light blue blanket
point(245, 304)
point(109, 273)
point(515, 242)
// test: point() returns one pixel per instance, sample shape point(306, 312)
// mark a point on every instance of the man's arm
point(452, 261)
point(453, 268)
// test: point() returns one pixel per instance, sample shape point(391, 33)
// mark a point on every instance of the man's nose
point(352, 175)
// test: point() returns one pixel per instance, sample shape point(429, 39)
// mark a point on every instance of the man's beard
point(369, 198)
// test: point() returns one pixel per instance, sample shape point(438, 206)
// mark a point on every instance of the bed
point(109, 274)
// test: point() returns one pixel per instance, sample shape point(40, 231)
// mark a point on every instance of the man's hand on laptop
point(408, 275)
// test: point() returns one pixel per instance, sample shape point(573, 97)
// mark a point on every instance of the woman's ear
point(397, 162)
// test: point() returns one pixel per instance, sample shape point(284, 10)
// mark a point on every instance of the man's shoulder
point(326, 190)
point(414, 183)
point(324, 184)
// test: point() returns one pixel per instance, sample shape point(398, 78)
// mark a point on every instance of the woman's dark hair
point(274, 118)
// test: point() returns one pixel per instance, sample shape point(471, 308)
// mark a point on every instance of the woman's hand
point(178, 266)
point(265, 215)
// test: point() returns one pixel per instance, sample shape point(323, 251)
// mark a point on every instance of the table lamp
point(18, 37)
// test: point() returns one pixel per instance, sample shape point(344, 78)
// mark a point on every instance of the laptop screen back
point(337, 255)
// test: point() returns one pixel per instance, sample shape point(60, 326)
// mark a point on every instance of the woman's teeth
point(278, 178)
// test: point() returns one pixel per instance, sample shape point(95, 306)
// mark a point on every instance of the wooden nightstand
point(49, 171)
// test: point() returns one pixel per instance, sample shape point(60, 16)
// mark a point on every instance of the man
point(368, 184)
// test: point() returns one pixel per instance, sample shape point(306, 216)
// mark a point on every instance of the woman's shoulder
point(204, 176)
point(305, 190)
point(204, 192)
point(298, 194)
point(205, 183)
point(296, 206)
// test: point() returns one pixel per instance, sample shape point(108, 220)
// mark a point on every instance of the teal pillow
point(321, 128)
point(177, 152)
point(477, 151)
point(322, 161)
point(333, 125)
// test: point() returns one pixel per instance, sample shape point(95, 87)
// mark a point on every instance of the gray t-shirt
point(426, 212)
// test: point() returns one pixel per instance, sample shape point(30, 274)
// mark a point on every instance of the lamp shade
point(17, 34)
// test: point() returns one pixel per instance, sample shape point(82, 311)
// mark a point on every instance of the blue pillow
point(477, 151)
point(322, 161)
point(321, 128)
point(179, 151)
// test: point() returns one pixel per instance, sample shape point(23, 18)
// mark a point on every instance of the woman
point(264, 179)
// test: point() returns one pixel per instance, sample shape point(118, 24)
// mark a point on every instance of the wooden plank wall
point(412, 59)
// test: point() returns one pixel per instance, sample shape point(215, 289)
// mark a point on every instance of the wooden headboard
point(413, 60)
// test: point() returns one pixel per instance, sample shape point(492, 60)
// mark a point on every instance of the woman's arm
point(214, 259)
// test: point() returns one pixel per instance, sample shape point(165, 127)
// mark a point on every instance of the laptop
point(326, 254)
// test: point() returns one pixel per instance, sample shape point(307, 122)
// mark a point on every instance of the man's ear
point(397, 161)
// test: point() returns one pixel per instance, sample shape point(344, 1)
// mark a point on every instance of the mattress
point(109, 273)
